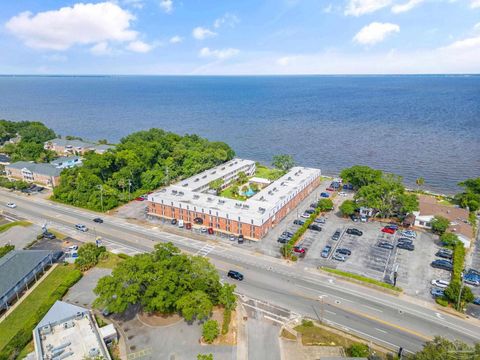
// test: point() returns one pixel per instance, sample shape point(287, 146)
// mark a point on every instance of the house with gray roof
point(75, 146)
point(39, 173)
point(18, 269)
point(64, 162)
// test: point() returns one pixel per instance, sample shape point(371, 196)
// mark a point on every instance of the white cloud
point(474, 4)
point(221, 54)
point(228, 19)
point(167, 6)
point(476, 26)
point(201, 33)
point(80, 24)
point(409, 5)
point(361, 7)
point(137, 4)
point(375, 33)
point(139, 46)
point(175, 39)
point(101, 48)
point(465, 44)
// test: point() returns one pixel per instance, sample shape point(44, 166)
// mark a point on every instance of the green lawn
point(228, 194)
point(361, 278)
point(110, 261)
point(7, 226)
point(268, 173)
point(16, 329)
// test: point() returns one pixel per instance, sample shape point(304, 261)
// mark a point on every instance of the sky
point(239, 37)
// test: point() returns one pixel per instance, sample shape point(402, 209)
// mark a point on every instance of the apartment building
point(75, 147)
point(39, 173)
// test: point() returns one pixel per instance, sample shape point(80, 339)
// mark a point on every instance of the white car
point(409, 234)
point(342, 193)
point(81, 227)
point(305, 215)
point(11, 205)
point(73, 248)
point(440, 283)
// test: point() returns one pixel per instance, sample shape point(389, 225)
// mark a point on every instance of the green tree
point(453, 290)
point(441, 348)
point(440, 224)
point(88, 256)
point(216, 185)
point(244, 189)
point(227, 297)
point(254, 187)
point(210, 331)
point(195, 305)
point(470, 197)
point(4, 250)
point(242, 178)
point(103, 141)
point(360, 176)
point(348, 207)
point(325, 205)
point(283, 162)
point(235, 190)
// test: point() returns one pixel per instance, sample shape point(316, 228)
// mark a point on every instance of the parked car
point(298, 222)
point(106, 312)
point(305, 215)
point(287, 234)
point(347, 187)
point(476, 301)
point(353, 231)
point(180, 223)
point(472, 279)
point(405, 241)
point(440, 283)
point(442, 264)
point(210, 231)
point(320, 220)
point(232, 238)
point(388, 230)
point(363, 219)
point(436, 292)
point(339, 257)
point(406, 246)
point(344, 251)
point(299, 249)
point(444, 254)
point(385, 245)
point(342, 193)
point(309, 211)
point(325, 195)
point(203, 230)
point(73, 248)
point(326, 251)
point(314, 227)
point(330, 188)
point(409, 233)
point(11, 205)
point(313, 205)
point(173, 222)
point(282, 240)
point(48, 235)
point(98, 220)
point(336, 235)
point(198, 221)
point(235, 275)
point(81, 227)
point(392, 226)
point(240, 239)
point(354, 218)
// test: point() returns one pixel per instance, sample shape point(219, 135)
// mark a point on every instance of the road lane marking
point(382, 331)
point(372, 308)
point(330, 312)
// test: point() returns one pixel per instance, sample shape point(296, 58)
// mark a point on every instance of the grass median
point(7, 226)
point(16, 329)
point(362, 278)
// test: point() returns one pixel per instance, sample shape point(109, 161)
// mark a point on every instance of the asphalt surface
point(385, 319)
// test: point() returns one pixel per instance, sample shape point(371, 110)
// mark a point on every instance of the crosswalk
point(205, 250)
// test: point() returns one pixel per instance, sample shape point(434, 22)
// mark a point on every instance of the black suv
point(48, 235)
point(336, 235)
point(442, 264)
point(298, 222)
point(344, 251)
point(354, 231)
point(444, 253)
point(98, 220)
point(235, 275)
point(314, 227)
point(385, 245)
point(309, 211)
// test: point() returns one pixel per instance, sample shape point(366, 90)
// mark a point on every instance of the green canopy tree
point(348, 207)
point(88, 256)
point(283, 162)
point(325, 204)
point(227, 297)
point(360, 175)
point(440, 224)
point(195, 305)
point(210, 331)
point(470, 197)
point(441, 348)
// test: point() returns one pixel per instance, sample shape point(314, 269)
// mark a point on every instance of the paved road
point(383, 318)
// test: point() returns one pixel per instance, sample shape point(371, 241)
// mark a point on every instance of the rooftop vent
point(238, 205)
point(174, 192)
point(209, 199)
point(196, 196)
point(196, 179)
point(223, 168)
point(270, 192)
point(246, 206)
point(181, 193)
point(213, 172)
point(220, 201)
point(163, 190)
point(185, 185)
point(204, 176)
point(290, 178)
point(261, 210)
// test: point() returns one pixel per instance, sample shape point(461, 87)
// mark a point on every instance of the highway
point(385, 319)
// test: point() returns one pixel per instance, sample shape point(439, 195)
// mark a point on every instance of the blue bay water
point(414, 126)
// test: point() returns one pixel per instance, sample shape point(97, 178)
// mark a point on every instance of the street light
point(322, 308)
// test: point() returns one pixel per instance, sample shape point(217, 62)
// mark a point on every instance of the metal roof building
point(17, 269)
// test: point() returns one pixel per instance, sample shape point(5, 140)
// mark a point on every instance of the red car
point(140, 198)
point(330, 189)
point(388, 230)
point(299, 249)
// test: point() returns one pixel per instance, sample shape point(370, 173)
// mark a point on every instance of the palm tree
point(420, 182)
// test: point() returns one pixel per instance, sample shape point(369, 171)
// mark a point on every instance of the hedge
point(4, 250)
point(16, 329)
point(227, 317)
point(361, 278)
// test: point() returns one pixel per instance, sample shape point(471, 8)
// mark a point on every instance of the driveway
point(81, 293)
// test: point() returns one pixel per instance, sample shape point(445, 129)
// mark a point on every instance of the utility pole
point(460, 294)
point(100, 187)
point(129, 188)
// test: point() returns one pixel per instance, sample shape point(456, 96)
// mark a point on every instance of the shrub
point(210, 331)
point(88, 256)
point(348, 207)
point(449, 239)
point(358, 350)
point(307, 323)
point(123, 256)
point(325, 205)
point(441, 301)
point(4, 250)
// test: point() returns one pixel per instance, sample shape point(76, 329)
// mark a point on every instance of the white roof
point(206, 177)
point(255, 210)
point(260, 180)
point(108, 331)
